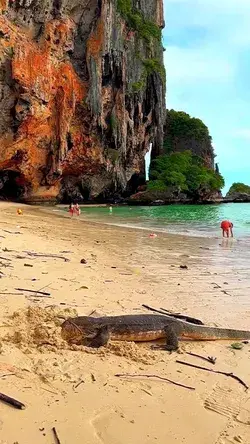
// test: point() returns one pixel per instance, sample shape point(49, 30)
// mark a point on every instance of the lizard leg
point(171, 338)
point(101, 338)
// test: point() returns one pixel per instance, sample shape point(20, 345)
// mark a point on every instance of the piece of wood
point(210, 359)
point(126, 375)
point(186, 318)
point(56, 256)
point(217, 285)
point(43, 293)
point(11, 401)
point(56, 436)
point(229, 374)
point(78, 385)
point(164, 312)
point(7, 374)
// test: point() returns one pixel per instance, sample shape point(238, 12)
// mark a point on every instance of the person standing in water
point(77, 209)
point(71, 210)
point(227, 228)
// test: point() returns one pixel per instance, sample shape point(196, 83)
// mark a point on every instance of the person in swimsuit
point(227, 228)
point(77, 209)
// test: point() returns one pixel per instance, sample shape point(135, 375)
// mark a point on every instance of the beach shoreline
point(124, 269)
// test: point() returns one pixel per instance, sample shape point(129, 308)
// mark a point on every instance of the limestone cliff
point(82, 91)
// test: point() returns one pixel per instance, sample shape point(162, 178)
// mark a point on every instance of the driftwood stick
point(30, 253)
point(155, 310)
point(208, 359)
point(217, 285)
point(5, 258)
point(126, 375)
point(163, 311)
point(11, 401)
point(229, 374)
point(7, 374)
point(186, 318)
point(56, 436)
point(33, 291)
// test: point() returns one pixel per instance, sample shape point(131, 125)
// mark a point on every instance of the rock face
point(82, 95)
point(237, 197)
point(172, 197)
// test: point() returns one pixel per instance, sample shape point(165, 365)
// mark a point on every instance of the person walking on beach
point(227, 228)
point(71, 210)
point(77, 209)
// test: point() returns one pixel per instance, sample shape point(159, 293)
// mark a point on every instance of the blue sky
point(207, 61)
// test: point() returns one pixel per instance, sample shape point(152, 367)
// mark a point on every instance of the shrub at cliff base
point(183, 172)
point(239, 187)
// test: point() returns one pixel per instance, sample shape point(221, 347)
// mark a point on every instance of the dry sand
point(75, 389)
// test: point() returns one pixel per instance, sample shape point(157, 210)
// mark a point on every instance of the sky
point(207, 62)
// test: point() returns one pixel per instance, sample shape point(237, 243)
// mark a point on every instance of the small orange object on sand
point(152, 235)
point(19, 211)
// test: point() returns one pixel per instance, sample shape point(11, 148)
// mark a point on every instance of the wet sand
point(76, 391)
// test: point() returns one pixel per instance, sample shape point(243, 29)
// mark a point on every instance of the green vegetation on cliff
point(188, 163)
point(137, 22)
point(150, 33)
point(183, 172)
point(238, 187)
point(181, 128)
point(150, 66)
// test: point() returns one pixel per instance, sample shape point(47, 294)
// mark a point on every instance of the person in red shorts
point(227, 228)
point(77, 209)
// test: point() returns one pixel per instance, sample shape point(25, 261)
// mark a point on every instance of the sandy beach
point(75, 389)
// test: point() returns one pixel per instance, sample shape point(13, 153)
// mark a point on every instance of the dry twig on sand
point(165, 312)
point(56, 436)
point(126, 375)
point(5, 258)
point(210, 359)
point(56, 256)
point(11, 401)
point(33, 291)
point(229, 374)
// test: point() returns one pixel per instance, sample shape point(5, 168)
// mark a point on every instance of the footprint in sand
point(222, 400)
point(233, 438)
point(111, 427)
point(244, 415)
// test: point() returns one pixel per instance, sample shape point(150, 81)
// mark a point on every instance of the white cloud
point(227, 20)
point(207, 64)
point(198, 64)
point(227, 6)
point(243, 133)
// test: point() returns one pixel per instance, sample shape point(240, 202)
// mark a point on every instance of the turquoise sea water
point(192, 220)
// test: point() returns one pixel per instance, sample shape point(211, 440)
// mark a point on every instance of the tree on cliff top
point(181, 124)
point(238, 187)
point(183, 132)
point(183, 172)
